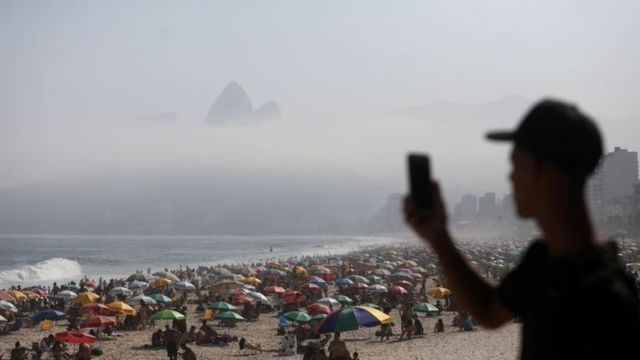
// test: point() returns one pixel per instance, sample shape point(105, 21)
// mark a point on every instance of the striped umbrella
point(352, 318)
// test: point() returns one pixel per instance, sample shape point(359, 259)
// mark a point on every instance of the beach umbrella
point(225, 285)
point(398, 290)
point(159, 298)
point(90, 284)
point(220, 271)
point(398, 276)
point(317, 318)
point(7, 306)
point(320, 282)
point(352, 318)
point(66, 295)
point(328, 301)
point(232, 277)
point(184, 286)
point(75, 337)
point(425, 308)
point(375, 306)
point(70, 287)
point(122, 308)
point(343, 299)
point(119, 291)
point(381, 272)
point(86, 298)
point(249, 287)
point(146, 299)
point(138, 285)
point(2, 319)
point(241, 300)
point(274, 290)
point(98, 321)
point(228, 316)
point(273, 272)
point(221, 305)
point(297, 316)
point(160, 282)
point(48, 315)
point(100, 309)
point(358, 286)
point(40, 292)
point(374, 278)
point(18, 295)
point(310, 287)
point(166, 275)
point(405, 284)
point(439, 292)
point(377, 289)
point(252, 280)
point(344, 282)
point(317, 308)
point(259, 297)
point(238, 292)
point(30, 294)
point(139, 276)
point(167, 315)
point(358, 279)
point(4, 296)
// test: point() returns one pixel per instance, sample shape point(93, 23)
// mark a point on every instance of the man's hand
point(432, 228)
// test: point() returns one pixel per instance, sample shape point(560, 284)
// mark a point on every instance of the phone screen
point(420, 183)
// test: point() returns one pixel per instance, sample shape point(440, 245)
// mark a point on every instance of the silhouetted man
point(570, 290)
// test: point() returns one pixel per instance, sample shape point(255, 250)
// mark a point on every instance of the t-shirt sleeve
point(512, 291)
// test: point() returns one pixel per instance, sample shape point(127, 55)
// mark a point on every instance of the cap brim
point(501, 135)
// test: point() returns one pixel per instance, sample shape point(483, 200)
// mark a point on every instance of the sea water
point(31, 260)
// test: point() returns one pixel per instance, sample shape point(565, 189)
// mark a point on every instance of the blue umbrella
point(319, 282)
point(344, 282)
point(48, 315)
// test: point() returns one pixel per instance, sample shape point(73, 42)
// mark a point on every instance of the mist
point(94, 94)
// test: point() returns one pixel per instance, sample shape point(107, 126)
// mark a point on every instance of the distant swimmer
point(270, 248)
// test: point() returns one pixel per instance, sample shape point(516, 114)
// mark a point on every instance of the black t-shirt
point(582, 306)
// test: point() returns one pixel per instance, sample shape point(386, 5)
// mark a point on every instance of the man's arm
point(474, 293)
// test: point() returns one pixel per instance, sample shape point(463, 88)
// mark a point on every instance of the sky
point(92, 85)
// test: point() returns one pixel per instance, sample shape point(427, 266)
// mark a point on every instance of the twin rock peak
point(233, 106)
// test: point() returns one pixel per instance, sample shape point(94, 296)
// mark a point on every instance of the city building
point(611, 189)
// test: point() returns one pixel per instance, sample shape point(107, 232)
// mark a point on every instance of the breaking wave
point(51, 269)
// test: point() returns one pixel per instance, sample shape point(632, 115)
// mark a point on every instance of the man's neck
point(567, 227)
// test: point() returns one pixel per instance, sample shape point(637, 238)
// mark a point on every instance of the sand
point(497, 344)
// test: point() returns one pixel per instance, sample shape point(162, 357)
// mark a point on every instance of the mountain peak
point(234, 105)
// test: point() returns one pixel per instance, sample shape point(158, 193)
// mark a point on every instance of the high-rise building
point(611, 188)
point(487, 209)
point(467, 208)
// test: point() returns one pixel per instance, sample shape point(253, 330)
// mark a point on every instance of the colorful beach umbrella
point(358, 279)
point(352, 318)
point(317, 318)
point(160, 282)
point(320, 282)
point(86, 298)
point(344, 282)
point(139, 276)
point(328, 301)
point(166, 275)
point(7, 306)
point(18, 295)
point(252, 280)
point(122, 308)
point(30, 294)
point(167, 315)
point(66, 295)
point(318, 309)
point(297, 316)
point(146, 299)
point(310, 287)
point(138, 285)
point(221, 305)
point(343, 299)
point(375, 306)
point(98, 321)
point(228, 316)
point(258, 297)
point(70, 287)
point(425, 308)
point(398, 290)
point(99, 309)
point(48, 315)
point(161, 299)
point(75, 337)
point(4, 296)
point(439, 292)
point(184, 286)
point(377, 289)
point(119, 291)
point(274, 290)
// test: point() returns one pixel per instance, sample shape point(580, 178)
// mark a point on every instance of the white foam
point(47, 270)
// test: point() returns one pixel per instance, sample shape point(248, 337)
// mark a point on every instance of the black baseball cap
point(559, 133)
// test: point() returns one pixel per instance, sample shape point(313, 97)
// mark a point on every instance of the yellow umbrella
point(86, 298)
point(30, 294)
point(300, 271)
point(122, 308)
point(439, 292)
point(161, 282)
point(252, 281)
point(17, 295)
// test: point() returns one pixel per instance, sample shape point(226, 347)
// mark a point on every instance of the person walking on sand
point(556, 148)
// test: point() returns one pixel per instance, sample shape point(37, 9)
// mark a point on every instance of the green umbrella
point(375, 306)
point(425, 308)
point(69, 287)
point(228, 315)
point(159, 298)
point(374, 278)
point(317, 318)
point(167, 315)
point(343, 299)
point(221, 305)
point(297, 316)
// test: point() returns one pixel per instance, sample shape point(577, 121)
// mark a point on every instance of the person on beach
point(171, 339)
point(338, 349)
point(556, 148)
point(187, 353)
point(439, 326)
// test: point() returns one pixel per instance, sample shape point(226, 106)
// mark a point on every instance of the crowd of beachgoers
point(289, 307)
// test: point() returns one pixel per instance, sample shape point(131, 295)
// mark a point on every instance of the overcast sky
point(77, 79)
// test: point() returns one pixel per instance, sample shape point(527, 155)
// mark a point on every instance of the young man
point(564, 279)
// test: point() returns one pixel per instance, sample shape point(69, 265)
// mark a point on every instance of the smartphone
point(420, 183)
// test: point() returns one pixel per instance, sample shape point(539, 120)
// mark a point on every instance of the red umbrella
point(40, 292)
point(75, 337)
point(405, 284)
point(100, 309)
point(6, 297)
point(241, 300)
point(318, 308)
point(274, 290)
point(98, 321)
point(359, 286)
point(90, 285)
point(237, 292)
point(310, 287)
point(310, 278)
point(397, 290)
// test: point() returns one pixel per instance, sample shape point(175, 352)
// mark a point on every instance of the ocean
point(32, 260)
